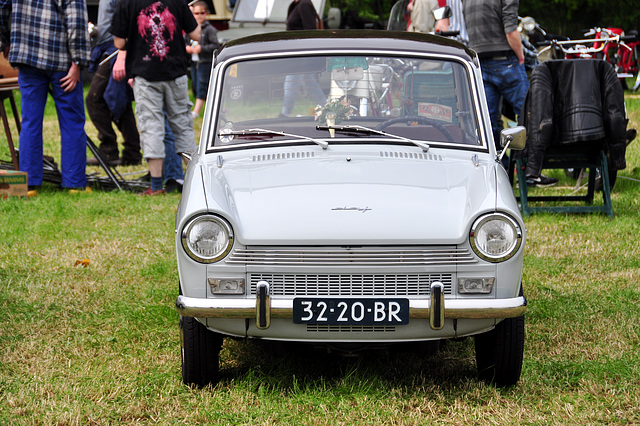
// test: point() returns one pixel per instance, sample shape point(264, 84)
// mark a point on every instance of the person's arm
point(69, 81)
point(209, 41)
point(76, 22)
point(513, 38)
point(119, 71)
point(442, 25)
point(195, 34)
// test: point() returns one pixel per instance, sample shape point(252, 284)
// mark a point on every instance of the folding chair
point(592, 159)
point(575, 119)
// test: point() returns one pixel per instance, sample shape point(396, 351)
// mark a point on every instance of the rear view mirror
point(347, 74)
point(442, 13)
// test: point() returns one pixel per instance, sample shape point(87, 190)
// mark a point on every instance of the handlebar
point(579, 46)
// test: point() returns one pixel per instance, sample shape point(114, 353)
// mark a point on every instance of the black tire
point(499, 352)
point(200, 353)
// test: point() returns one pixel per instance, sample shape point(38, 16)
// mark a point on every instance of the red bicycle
point(622, 53)
point(610, 44)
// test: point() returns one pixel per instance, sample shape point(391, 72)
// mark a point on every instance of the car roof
point(336, 40)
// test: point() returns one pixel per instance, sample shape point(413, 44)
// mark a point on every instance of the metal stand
point(591, 161)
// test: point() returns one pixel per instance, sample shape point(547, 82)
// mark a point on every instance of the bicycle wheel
point(633, 82)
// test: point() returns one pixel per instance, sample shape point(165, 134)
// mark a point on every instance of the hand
point(197, 49)
point(69, 81)
point(119, 70)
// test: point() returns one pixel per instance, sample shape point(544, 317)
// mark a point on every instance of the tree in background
point(572, 17)
point(567, 17)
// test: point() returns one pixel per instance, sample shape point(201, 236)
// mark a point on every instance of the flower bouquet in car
point(333, 112)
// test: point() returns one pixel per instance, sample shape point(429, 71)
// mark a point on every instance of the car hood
point(359, 200)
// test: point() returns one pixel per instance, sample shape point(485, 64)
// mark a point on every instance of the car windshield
point(345, 99)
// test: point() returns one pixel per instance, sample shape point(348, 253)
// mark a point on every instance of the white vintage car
point(347, 191)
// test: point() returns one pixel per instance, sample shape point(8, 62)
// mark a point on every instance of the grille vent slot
point(335, 285)
point(284, 156)
point(411, 155)
point(350, 329)
point(334, 256)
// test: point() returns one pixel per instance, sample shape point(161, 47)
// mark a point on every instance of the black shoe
point(172, 185)
point(124, 162)
point(94, 161)
point(541, 181)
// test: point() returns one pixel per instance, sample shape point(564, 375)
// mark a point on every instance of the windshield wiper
point(368, 131)
point(266, 133)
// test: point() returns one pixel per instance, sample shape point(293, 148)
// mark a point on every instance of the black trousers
point(102, 119)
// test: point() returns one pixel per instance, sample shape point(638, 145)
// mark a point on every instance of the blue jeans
point(200, 73)
point(172, 164)
point(35, 85)
point(503, 79)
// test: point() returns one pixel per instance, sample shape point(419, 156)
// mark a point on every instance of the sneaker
point(172, 185)
point(149, 191)
point(541, 181)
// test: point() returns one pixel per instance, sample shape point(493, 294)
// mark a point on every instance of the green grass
point(100, 344)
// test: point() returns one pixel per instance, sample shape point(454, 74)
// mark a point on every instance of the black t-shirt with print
point(153, 29)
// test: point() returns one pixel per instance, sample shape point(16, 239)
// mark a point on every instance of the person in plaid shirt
point(48, 41)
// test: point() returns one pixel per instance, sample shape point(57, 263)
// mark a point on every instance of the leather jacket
point(570, 102)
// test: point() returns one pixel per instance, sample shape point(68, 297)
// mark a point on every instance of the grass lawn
point(89, 334)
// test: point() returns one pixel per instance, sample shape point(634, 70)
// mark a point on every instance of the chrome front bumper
point(436, 309)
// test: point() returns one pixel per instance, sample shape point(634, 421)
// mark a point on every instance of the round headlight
point(207, 239)
point(495, 237)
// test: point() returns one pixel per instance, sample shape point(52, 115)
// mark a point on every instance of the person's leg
point(178, 108)
point(314, 90)
point(70, 109)
point(34, 85)
point(292, 84)
point(172, 165)
point(100, 113)
point(493, 102)
point(204, 72)
point(149, 110)
point(194, 78)
point(514, 85)
point(128, 127)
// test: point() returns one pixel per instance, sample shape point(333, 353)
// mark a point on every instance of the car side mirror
point(514, 138)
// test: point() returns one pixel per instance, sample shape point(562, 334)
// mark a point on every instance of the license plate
point(350, 311)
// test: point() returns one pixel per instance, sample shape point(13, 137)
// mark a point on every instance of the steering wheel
point(421, 120)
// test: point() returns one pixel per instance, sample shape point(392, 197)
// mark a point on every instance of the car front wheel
point(499, 352)
point(200, 353)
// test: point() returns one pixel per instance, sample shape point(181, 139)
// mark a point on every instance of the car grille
point(297, 285)
point(342, 256)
